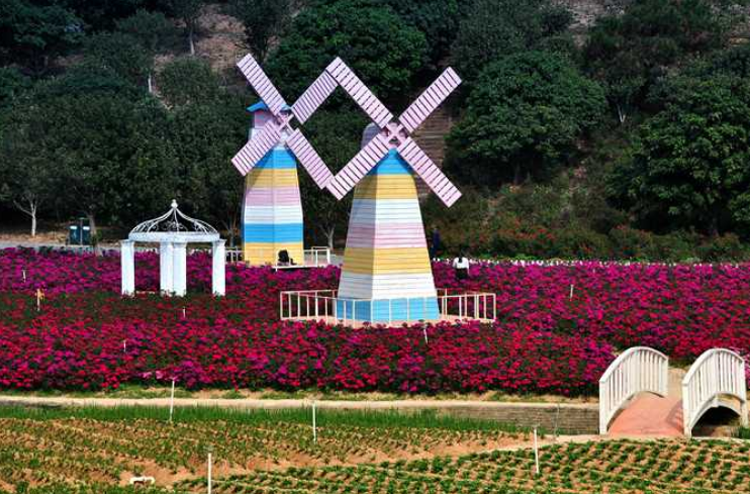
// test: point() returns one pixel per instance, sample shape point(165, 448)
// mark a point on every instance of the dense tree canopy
point(688, 166)
point(630, 52)
point(524, 115)
point(493, 29)
point(33, 34)
point(101, 99)
point(383, 49)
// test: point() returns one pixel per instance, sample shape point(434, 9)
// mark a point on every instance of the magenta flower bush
point(544, 341)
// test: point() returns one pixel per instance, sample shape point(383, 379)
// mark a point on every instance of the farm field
point(611, 466)
point(61, 450)
point(89, 450)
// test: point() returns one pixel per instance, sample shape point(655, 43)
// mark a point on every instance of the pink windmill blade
point(279, 128)
point(363, 162)
point(395, 134)
point(359, 92)
point(429, 100)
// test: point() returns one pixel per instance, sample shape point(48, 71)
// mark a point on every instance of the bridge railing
point(637, 370)
point(717, 372)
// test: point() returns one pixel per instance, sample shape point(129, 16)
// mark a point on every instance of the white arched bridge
point(635, 396)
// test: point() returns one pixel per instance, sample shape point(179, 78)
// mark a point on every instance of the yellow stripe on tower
point(272, 177)
point(383, 261)
point(386, 187)
point(257, 253)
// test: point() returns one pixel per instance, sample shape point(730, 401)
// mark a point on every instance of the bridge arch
point(717, 373)
point(636, 370)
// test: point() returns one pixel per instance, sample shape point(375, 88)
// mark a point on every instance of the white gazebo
point(173, 231)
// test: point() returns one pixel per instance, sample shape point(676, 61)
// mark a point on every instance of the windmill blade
point(261, 84)
point(429, 100)
point(307, 156)
point(256, 148)
point(429, 172)
point(359, 92)
point(363, 162)
point(313, 97)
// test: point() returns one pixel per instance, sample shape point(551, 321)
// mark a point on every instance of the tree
point(12, 83)
point(688, 165)
point(205, 135)
point(152, 29)
point(336, 136)
point(106, 143)
point(33, 34)
point(121, 53)
point(264, 20)
point(102, 15)
point(493, 29)
point(188, 80)
point(628, 53)
point(437, 19)
point(27, 178)
point(188, 11)
point(525, 113)
point(369, 36)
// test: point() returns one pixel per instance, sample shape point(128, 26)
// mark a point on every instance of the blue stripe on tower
point(388, 310)
point(391, 164)
point(279, 232)
point(277, 158)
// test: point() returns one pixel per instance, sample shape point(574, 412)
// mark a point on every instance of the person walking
point(436, 243)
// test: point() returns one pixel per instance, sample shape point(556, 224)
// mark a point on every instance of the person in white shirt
point(461, 265)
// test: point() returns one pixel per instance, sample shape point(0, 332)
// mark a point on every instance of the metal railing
point(326, 305)
point(717, 372)
point(637, 370)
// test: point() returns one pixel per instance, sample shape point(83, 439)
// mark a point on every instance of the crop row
point(618, 466)
point(45, 452)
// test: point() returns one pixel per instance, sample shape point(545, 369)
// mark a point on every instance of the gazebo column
point(127, 266)
point(218, 273)
point(166, 262)
point(179, 268)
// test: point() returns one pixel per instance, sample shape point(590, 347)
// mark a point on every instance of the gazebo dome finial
point(174, 225)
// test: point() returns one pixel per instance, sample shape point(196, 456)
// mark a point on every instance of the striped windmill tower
point(272, 209)
point(386, 267)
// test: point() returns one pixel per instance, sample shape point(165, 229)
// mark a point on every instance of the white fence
point(636, 370)
point(325, 305)
point(313, 257)
point(717, 372)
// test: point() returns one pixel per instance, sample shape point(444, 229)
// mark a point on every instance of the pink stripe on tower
point(407, 235)
point(282, 196)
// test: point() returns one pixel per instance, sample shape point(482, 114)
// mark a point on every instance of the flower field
point(558, 328)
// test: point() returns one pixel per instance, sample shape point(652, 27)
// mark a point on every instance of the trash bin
point(74, 235)
point(79, 234)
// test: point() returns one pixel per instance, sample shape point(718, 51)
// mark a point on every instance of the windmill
point(386, 263)
point(272, 209)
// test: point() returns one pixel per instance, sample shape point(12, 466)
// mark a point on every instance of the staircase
point(431, 138)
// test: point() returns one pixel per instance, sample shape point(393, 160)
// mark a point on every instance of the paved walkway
point(648, 415)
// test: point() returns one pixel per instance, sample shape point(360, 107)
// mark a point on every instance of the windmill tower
point(272, 209)
point(386, 275)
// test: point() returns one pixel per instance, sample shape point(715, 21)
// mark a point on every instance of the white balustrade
point(325, 305)
point(637, 370)
point(717, 372)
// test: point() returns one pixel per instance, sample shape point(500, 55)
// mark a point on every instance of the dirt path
point(259, 403)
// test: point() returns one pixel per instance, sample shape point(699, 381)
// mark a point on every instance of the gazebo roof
point(174, 226)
